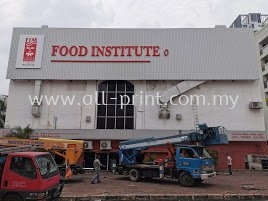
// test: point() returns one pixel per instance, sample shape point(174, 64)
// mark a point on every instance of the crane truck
point(68, 154)
point(189, 164)
point(27, 175)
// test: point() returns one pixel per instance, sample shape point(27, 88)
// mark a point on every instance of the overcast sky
point(116, 14)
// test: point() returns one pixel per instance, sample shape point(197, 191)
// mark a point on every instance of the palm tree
point(21, 133)
point(2, 113)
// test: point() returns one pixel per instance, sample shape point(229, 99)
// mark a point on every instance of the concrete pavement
point(242, 185)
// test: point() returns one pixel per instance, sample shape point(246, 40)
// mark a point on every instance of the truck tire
point(186, 179)
point(13, 197)
point(133, 175)
point(199, 181)
point(120, 171)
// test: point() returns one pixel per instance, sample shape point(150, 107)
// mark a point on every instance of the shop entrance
point(89, 157)
point(105, 159)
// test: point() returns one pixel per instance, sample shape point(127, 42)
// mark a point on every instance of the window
point(23, 166)
point(116, 107)
point(46, 165)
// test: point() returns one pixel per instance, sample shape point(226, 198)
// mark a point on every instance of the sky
point(116, 14)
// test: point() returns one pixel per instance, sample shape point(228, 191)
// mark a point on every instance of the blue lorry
point(188, 163)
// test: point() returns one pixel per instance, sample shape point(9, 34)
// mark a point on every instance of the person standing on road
point(97, 164)
point(229, 163)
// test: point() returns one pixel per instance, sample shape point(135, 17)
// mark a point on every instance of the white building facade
point(108, 85)
point(262, 43)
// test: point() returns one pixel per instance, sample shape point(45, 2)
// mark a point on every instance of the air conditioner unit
point(36, 109)
point(88, 145)
point(105, 145)
point(255, 105)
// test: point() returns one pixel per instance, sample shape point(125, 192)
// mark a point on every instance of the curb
point(168, 197)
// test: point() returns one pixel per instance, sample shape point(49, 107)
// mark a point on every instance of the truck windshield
point(202, 152)
point(46, 165)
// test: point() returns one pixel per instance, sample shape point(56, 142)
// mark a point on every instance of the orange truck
point(68, 154)
point(27, 175)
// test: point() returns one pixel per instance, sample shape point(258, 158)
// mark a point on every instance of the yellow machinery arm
point(71, 150)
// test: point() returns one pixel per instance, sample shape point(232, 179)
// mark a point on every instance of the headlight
point(203, 169)
point(207, 169)
point(195, 171)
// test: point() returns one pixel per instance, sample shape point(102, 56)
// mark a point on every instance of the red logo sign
point(30, 49)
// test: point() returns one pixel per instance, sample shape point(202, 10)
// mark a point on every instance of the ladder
point(195, 114)
point(4, 151)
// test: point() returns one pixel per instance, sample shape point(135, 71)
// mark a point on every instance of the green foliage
point(151, 159)
point(21, 133)
point(214, 154)
point(2, 113)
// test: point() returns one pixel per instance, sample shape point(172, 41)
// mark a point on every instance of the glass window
point(111, 85)
point(120, 123)
point(23, 166)
point(110, 123)
point(46, 165)
point(101, 110)
point(110, 110)
point(111, 98)
point(129, 123)
point(129, 110)
point(100, 122)
point(120, 111)
point(102, 98)
point(121, 86)
point(113, 115)
point(103, 86)
point(129, 87)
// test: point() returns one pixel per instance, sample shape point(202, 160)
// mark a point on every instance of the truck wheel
point(13, 197)
point(133, 175)
point(199, 181)
point(186, 179)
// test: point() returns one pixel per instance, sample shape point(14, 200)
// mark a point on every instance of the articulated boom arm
point(150, 142)
point(70, 150)
point(128, 150)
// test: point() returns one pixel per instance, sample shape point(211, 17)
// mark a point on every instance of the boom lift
point(68, 153)
point(191, 169)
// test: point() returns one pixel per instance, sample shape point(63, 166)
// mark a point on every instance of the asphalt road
point(241, 182)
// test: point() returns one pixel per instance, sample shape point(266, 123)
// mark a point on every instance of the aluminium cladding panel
point(194, 54)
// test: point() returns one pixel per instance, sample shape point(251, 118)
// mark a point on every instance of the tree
point(2, 113)
point(21, 133)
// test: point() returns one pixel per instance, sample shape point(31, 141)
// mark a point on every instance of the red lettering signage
point(248, 136)
point(99, 52)
point(30, 49)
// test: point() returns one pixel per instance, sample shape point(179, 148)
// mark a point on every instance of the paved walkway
point(242, 185)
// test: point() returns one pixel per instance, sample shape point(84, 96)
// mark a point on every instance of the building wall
point(74, 117)
point(262, 38)
point(239, 118)
point(57, 116)
point(238, 150)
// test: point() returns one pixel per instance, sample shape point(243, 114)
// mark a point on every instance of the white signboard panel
point(30, 50)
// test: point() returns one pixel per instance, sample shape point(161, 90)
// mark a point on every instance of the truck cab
point(194, 164)
point(29, 176)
